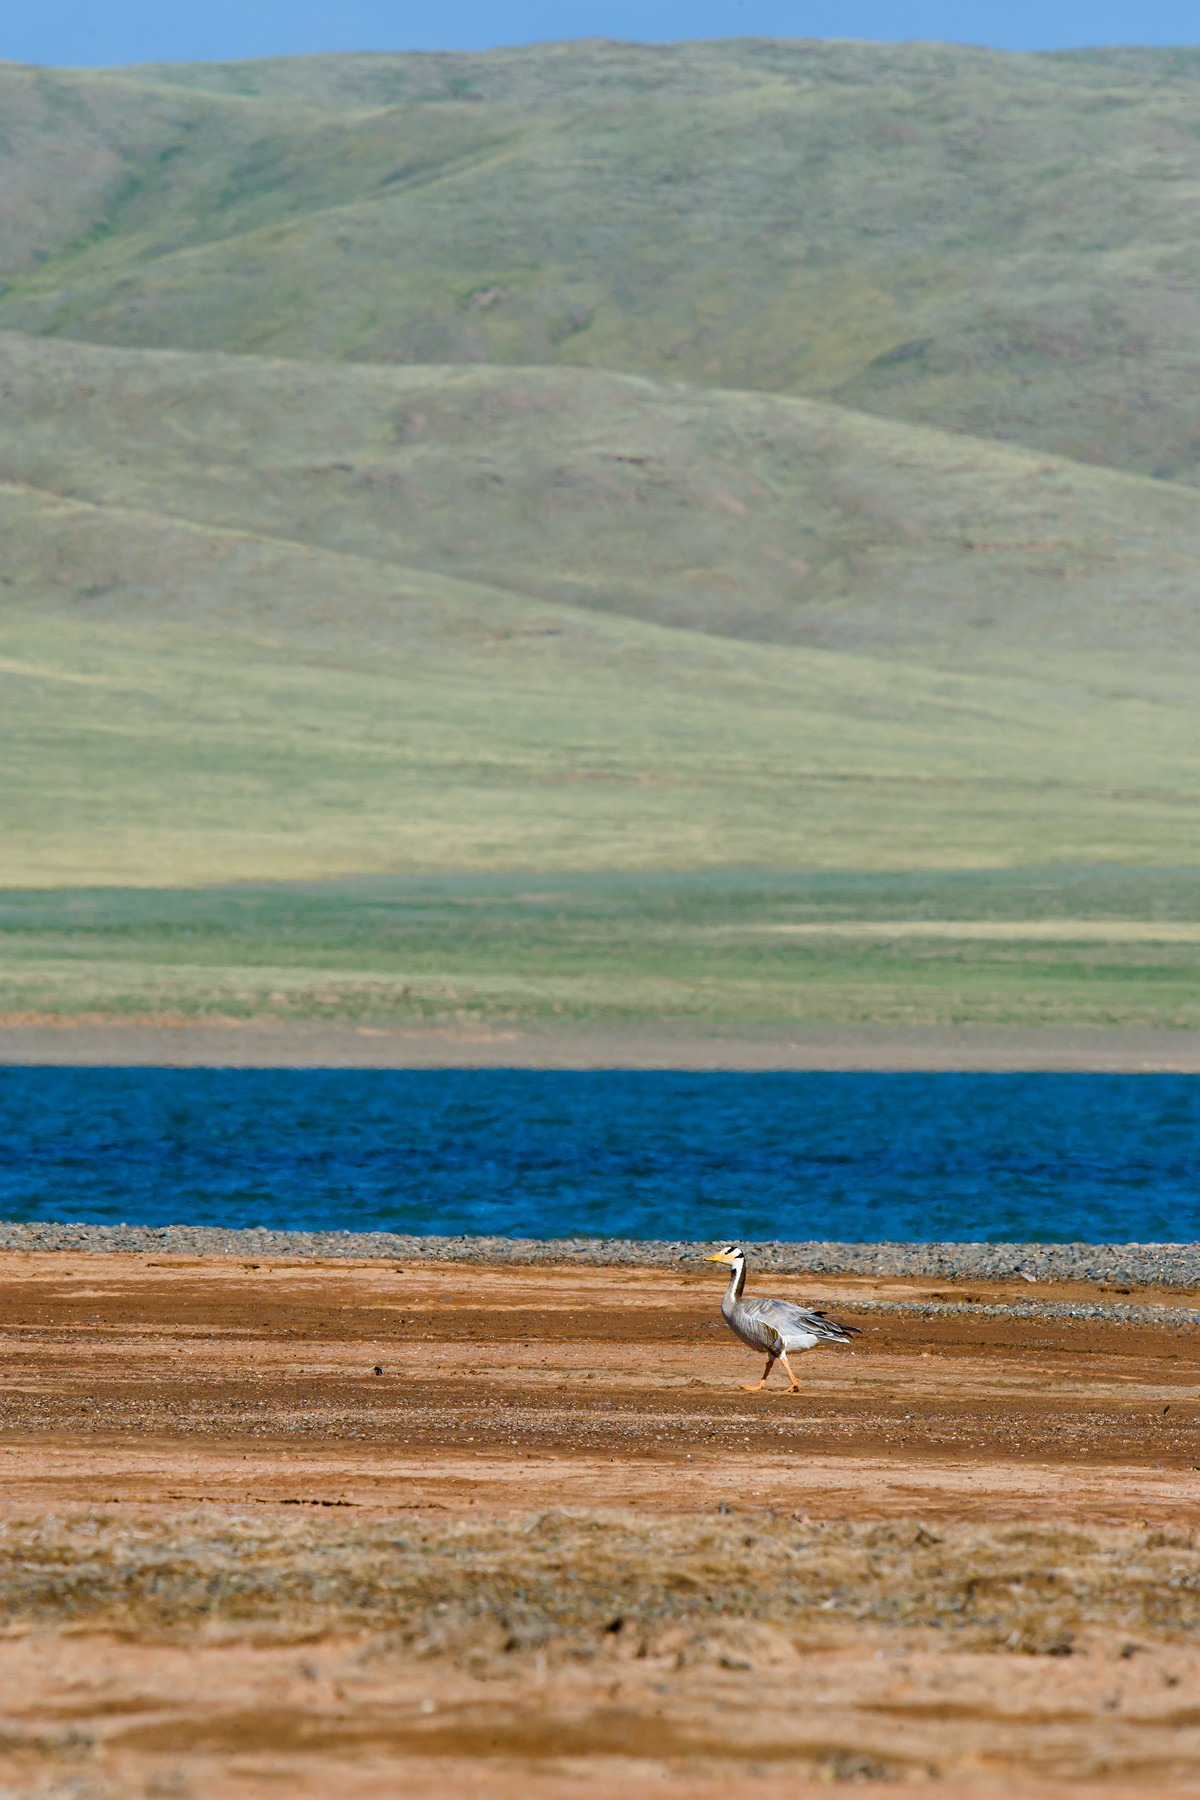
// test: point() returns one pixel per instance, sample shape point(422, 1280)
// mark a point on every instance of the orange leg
point(750, 1387)
point(791, 1372)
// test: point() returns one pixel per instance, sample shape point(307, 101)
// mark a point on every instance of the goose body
point(773, 1326)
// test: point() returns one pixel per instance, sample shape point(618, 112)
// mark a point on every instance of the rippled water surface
point(640, 1154)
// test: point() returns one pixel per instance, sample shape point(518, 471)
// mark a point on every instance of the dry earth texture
point(519, 1533)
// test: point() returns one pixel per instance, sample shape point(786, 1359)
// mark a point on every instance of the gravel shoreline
point(1134, 1265)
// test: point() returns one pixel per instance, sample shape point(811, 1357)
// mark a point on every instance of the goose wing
point(794, 1322)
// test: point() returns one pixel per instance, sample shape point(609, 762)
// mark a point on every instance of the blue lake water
point(646, 1154)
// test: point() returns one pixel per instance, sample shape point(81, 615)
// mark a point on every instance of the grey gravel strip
point(1176, 1318)
point(1133, 1265)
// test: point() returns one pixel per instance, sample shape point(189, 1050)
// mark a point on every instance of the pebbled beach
point(1032, 1266)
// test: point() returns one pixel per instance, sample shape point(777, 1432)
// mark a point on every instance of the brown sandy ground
point(168, 1040)
point(553, 1550)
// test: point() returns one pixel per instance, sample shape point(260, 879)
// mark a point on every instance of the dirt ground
point(347, 1528)
point(176, 1041)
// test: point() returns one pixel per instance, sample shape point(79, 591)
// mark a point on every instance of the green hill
point(596, 459)
point(747, 515)
point(187, 704)
point(998, 244)
point(262, 618)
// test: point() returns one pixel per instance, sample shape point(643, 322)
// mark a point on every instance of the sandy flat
point(621, 1377)
point(523, 1533)
point(263, 1043)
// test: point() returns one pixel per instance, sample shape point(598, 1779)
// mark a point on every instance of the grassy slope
point(184, 704)
point(707, 949)
point(206, 698)
point(282, 619)
point(1001, 244)
point(750, 515)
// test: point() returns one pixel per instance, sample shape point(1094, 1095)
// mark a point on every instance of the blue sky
point(96, 32)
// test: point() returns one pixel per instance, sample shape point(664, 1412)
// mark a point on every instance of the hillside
point(355, 516)
point(751, 516)
point(1002, 245)
point(184, 705)
point(269, 619)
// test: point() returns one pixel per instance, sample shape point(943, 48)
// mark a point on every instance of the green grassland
point(587, 470)
point(1003, 245)
point(183, 704)
point(750, 515)
point(268, 620)
point(693, 950)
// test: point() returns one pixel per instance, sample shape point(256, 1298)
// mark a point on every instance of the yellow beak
point(715, 1259)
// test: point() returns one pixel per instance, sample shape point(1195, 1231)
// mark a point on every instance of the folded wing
point(798, 1326)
